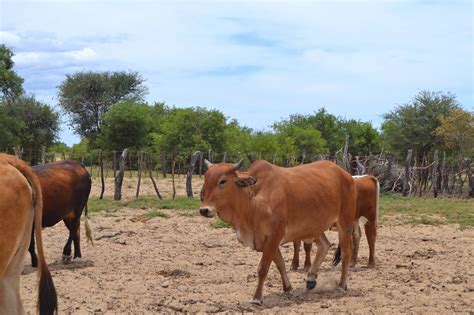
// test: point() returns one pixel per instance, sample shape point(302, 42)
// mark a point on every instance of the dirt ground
point(181, 264)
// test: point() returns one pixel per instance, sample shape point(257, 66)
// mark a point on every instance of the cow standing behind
point(20, 203)
point(66, 186)
point(269, 206)
point(368, 190)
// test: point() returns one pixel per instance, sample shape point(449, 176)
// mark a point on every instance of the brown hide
point(282, 205)
point(66, 186)
point(20, 203)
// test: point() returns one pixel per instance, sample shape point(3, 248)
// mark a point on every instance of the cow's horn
point(238, 165)
point(207, 163)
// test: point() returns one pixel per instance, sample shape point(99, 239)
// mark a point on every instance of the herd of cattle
point(267, 206)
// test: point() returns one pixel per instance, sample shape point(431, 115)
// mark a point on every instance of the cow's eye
point(222, 183)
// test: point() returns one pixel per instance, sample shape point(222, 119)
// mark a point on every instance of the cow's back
point(66, 186)
point(309, 197)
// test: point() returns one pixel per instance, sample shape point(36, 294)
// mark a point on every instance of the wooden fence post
point(173, 164)
point(119, 176)
point(114, 163)
point(469, 177)
point(345, 156)
point(406, 181)
point(43, 155)
point(101, 168)
point(201, 158)
point(139, 172)
point(150, 171)
point(434, 174)
point(189, 177)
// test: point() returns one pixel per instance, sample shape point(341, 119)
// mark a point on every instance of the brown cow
point(269, 206)
point(66, 186)
point(368, 189)
point(20, 202)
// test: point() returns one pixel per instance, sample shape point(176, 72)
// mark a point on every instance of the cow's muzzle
point(206, 212)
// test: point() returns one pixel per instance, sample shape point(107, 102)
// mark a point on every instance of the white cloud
point(8, 38)
point(82, 55)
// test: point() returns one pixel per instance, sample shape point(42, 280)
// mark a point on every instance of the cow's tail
point(87, 225)
point(377, 200)
point(47, 298)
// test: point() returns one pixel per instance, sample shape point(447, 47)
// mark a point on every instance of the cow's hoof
point(310, 284)
point(67, 259)
point(256, 302)
point(342, 287)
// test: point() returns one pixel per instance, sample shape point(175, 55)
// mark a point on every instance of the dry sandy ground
point(181, 264)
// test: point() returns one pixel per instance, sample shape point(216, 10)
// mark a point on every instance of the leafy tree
point(87, 96)
point(189, 129)
point(81, 148)
point(363, 137)
point(328, 126)
point(10, 82)
point(59, 147)
point(125, 125)
point(413, 125)
point(457, 132)
point(9, 129)
point(236, 138)
point(38, 124)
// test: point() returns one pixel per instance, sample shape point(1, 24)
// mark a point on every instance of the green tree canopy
point(10, 82)
point(126, 125)
point(413, 125)
point(457, 132)
point(87, 96)
point(38, 124)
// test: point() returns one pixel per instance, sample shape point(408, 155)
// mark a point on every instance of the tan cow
point(270, 205)
point(20, 201)
point(368, 190)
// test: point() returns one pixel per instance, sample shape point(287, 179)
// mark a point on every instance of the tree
point(457, 132)
point(10, 82)
point(413, 125)
point(363, 137)
point(125, 125)
point(38, 124)
point(9, 129)
point(189, 129)
point(328, 126)
point(87, 96)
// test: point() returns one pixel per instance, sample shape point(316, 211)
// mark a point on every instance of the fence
point(433, 177)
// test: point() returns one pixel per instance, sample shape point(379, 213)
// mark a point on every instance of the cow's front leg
point(323, 248)
point(269, 251)
point(280, 263)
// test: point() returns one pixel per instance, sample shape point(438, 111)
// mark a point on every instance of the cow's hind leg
point(345, 241)
point(323, 248)
point(295, 263)
point(355, 243)
point(73, 226)
point(371, 234)
point(280, 263)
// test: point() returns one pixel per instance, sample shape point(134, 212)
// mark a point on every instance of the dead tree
point(119, 175)
point(192, 165)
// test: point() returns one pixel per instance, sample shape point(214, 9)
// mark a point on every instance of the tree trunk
point(406, 181)
point(189, 177)
point(119, 175)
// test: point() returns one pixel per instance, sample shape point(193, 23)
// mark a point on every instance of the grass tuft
point(219, 224)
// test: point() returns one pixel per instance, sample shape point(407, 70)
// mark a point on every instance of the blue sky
point(257, 62)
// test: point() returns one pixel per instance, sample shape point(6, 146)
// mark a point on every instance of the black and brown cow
point(66, 186)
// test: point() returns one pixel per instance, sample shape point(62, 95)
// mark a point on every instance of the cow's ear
point(244, 180)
